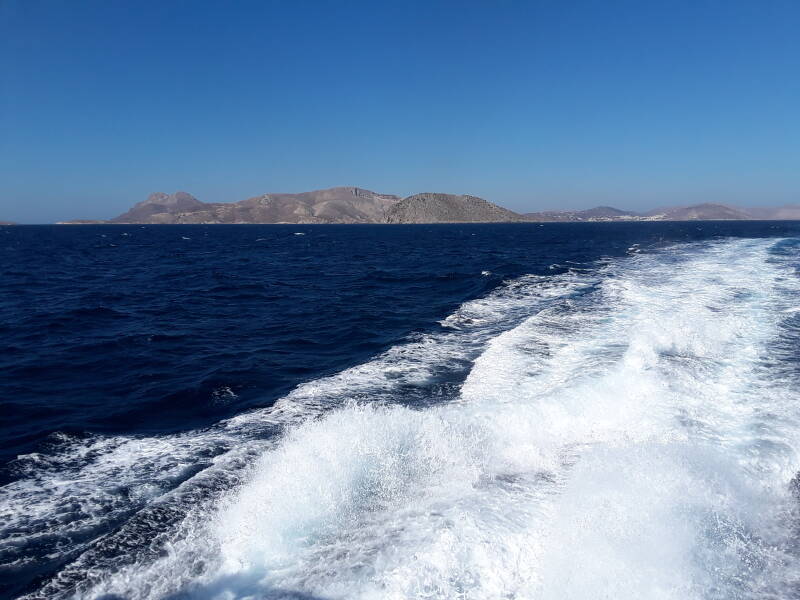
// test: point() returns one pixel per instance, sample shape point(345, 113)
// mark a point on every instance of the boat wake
point(625, 430)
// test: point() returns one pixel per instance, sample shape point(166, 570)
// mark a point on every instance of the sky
point(533, 105)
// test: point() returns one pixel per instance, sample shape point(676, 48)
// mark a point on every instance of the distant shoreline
point(356, 206)
point(609, 221)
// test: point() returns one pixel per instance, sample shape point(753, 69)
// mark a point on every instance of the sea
point(510, 411)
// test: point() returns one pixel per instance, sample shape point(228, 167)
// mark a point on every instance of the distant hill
point(7, 223)
point(599, 213)
point(357, 205)
point(697, 212)
point(160, 203)
point(606, 212)
point(700, 212)
point(335, 205)
point(786, 213)
point(448, 208)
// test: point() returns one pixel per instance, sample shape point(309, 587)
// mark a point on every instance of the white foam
point(635, 441)
point(92, 482)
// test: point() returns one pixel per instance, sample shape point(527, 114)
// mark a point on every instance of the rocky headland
point(358, 205)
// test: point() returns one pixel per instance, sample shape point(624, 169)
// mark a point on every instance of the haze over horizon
point(533, 106)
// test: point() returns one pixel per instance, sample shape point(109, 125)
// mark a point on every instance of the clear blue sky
point(532, 105)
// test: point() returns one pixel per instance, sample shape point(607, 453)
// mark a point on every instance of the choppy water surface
point(522, 411)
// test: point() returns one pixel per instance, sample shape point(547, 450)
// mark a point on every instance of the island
point(352, 205)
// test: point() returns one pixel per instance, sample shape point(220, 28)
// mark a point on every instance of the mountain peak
point(170, 199)
point(159, 203)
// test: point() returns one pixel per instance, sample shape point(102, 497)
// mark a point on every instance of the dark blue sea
point(549, 411)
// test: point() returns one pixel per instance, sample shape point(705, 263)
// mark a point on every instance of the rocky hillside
point(448, 208)
point(158, 206)
point(357, 205)
point(335, 205)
